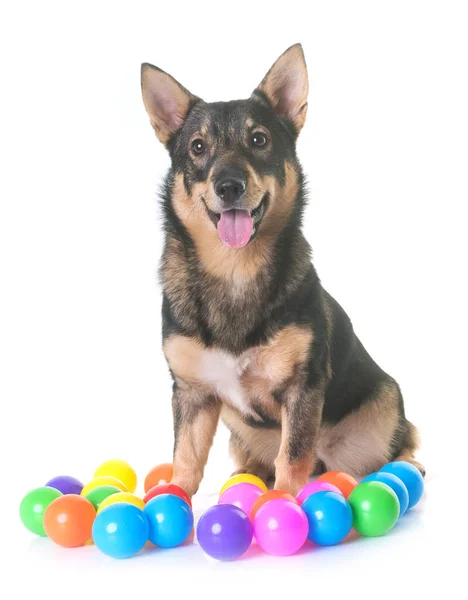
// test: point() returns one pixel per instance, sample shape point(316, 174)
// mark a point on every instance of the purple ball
point(66, 484)
point(224, 532)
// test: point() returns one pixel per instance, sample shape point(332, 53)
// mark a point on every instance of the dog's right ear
point(166, 101)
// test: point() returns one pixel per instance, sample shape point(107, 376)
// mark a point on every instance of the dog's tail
point(410, 444)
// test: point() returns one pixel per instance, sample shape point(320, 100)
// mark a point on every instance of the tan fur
point(194, 441)
point(358, 444)
point(291, 61)
point(156, 87)
point(260, 446)
point(268, 366)
point(239, 264)
point(361, 441)
point(183, 355)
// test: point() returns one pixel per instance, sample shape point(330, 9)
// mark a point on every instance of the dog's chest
point(234, 378)
point(247, 381)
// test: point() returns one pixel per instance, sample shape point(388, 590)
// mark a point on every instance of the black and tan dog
point(250, 335)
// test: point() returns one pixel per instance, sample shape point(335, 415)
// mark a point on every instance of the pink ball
point(313, 487)
point(242, 495)
point(280, 527)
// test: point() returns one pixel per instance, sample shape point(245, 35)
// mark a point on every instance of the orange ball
point(266, 497)
point(69, 522)
point(159, 474)
point(344, 482)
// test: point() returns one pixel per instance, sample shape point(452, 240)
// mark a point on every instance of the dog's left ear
point(286, 86)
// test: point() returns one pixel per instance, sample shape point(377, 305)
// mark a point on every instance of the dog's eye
point(259, 139)
point(198, 146)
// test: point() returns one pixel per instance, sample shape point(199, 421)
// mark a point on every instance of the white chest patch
point(223, 371)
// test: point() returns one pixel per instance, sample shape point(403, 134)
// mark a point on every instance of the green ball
point(33, 507)
point(97, 495)
point(375, 508)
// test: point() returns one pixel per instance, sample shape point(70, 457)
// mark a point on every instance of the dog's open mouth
point(236, 227)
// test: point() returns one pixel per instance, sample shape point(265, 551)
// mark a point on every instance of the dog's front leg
point(196, 416)
point(301, 415)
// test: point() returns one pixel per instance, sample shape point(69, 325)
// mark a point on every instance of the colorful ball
point(125, 497)
point(330, 517)
point(33, 507)
point(120, 530)
point(119, 469)
point(99, 494)
point(267, 497)
point(313, 487)
point(159, 474)
point(166, 488)
point(103, 480)
point(410, 476)
point(344, 482)
point(242, 495)
point(68, 520)
point(375, 508)
point(397, 486)
point(224, 532)
point(66, 484)
point(170, 520)
point(244, 478)
point(280, 527)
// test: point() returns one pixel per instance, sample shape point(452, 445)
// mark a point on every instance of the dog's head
point(234, 163)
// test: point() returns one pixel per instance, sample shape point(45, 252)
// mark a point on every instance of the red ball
point(167, 488)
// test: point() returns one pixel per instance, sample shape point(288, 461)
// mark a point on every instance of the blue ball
point(170, 520)
point(410, 476)
point(330, 517)
point(120, 530)
point(396, 484)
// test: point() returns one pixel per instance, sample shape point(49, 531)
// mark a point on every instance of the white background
point(83, 377)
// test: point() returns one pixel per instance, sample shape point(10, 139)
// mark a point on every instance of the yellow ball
point(103, 480)
point(121, 497)
point(121, 470)
point(244, 478)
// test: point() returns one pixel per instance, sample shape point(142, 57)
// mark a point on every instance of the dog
point(249, 334)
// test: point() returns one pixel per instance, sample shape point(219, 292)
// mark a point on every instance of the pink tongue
point(235, 228)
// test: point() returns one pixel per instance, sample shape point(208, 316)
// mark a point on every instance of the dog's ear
point(166, 101)
point(286, 86)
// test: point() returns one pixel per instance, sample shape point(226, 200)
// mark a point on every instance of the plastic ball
point(159, 474)
point(68, 520)
point(330, 517)
point(33, 507)
point(120, 530)
point(170, 520)
point(244, 478)
point(125, 497)
point(267, 497)
point(242, 495)
point(316, 486)
point(99, 494)
point(103, 480)
point(167, 488)
point(224, 532)
point(344, 482)
point(66, 484)
point(410, 476)
point(375, 508)
point(280, 527)
point(119, 469)
point(397, 486)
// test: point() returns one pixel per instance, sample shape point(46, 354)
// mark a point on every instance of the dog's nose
point(230, 190)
